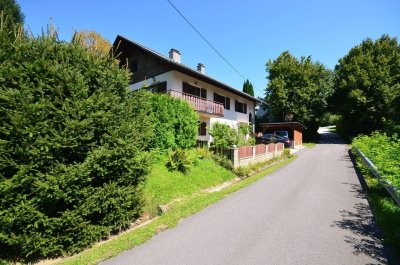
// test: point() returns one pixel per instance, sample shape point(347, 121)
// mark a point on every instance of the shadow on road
point(361, 223)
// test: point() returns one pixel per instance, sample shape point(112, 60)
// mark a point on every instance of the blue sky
point(247, 33)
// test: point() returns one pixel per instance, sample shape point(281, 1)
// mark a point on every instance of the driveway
point(312, 211)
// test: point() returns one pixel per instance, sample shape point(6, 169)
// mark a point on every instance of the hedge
point(72, 141)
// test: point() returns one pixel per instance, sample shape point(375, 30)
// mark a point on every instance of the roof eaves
point(167, 59)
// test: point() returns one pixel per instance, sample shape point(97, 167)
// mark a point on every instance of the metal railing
point(393, 191)
point(200, 104)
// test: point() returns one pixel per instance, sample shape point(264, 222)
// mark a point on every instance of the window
point(158, 87)
point(240, 107)
point(224, 100)
point(133, 65)
point(202, 128)
point(250, 118)
point(194, 90)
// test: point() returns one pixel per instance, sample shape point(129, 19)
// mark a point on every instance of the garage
point(295, 130)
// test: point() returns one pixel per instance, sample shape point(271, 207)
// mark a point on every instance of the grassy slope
point(164, 186)
point(206, 174)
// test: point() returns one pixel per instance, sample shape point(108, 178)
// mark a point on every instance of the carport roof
point(282, 124)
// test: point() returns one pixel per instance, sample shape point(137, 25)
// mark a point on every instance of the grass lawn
point(163, 187)
point(386, 211)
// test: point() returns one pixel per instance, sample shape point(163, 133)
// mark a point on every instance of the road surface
point(312, 211)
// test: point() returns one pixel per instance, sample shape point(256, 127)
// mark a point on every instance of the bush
point(180, 160)
point(203, 153)
point(223, 135)
point(384, 152)
point(242, 171)
point(223, 161)
point(175, 123)
point(71, 148)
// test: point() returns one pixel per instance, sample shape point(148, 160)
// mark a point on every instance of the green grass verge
point(386, 211)
point(191, 204)
point(309, 144)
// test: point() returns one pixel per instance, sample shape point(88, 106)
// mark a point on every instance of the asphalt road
point(312, 211)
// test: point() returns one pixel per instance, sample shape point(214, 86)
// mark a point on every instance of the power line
point(201, 35)
point(209, 44)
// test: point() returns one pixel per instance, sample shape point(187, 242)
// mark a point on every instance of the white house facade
point(213, 100)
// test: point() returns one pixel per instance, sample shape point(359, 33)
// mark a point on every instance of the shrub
point(384, 152)
point(223, 135)
point(203, 153)
point(180, 160)
point(223, 161)
point(71, 148)
point(175, 123)
point(242, 171)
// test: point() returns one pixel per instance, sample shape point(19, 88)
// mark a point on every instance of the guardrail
point(393, 191)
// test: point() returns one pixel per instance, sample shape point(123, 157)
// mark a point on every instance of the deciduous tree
point(368, 85)
point(298, 90)
point(93, 41)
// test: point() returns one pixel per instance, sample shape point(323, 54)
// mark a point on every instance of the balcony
point(200, 104)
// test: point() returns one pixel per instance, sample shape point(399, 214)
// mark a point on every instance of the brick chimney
point(201, 68)
point(175, 55)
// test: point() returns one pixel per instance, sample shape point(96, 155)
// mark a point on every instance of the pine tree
point(12, 11)
point(248, 88)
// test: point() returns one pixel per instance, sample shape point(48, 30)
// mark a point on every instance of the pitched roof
point(185, 69)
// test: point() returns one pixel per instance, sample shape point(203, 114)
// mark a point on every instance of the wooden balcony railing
point(200, 104)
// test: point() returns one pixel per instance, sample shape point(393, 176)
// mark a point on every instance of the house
point(213, 100)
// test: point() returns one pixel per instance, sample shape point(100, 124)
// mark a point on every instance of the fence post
point(235, 156)
point(253, 149)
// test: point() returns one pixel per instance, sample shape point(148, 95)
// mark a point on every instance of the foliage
point(180, 160)
point(223, 135)
point(244, 129)
point(223, 161)
point(251, 141)
point(203, 153)
point(384, 152)
point(298, 90)
point(175, 123)
point(11, 12)
point(386, 211)
point(242, 171)
point(329, 119)
point(93, 41)
point(71, 148)
point(368, 86)
point(248, 88)
point(287, 153)
point(391, 128)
